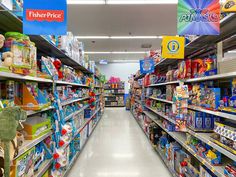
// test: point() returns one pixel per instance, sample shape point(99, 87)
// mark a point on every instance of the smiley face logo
point(173, 46)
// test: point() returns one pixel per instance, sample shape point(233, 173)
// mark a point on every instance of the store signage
point(198, 17)
point(173, 47)
point(229, 6)
point(147, 66)
point(43, 17)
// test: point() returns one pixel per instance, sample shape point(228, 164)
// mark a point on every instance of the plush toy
point(2, 40)
point(58, 65)
point(7, 58)
point(10, 119)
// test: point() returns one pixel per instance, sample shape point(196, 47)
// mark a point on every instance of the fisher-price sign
point(45, 17)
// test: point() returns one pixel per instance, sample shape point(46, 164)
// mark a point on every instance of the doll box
point(24, 165)
point(36, 127)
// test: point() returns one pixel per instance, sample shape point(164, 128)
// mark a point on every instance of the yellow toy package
point(229, 6)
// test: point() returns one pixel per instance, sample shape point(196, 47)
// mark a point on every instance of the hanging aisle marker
point(173, 47)
point(198, 17)
point(147, 66)
point(43, 17)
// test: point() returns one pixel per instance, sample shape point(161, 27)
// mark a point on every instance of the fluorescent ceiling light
point(118, 52)
point(119, 37)
point(97, 52)
point(141, 1)
point(86, 2)
point(130, 52)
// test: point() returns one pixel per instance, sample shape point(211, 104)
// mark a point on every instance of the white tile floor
point(118, 148)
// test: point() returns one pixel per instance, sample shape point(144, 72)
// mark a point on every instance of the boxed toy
point(24, 165)
point(36, 126)
point(210, 98)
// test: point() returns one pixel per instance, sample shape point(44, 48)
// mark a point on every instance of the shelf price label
point(43, 17)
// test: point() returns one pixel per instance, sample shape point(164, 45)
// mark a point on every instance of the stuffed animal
point(10, 119)
point(7, 58)
point(58, 65)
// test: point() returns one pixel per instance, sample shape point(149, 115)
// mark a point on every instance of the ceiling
point(121, 20)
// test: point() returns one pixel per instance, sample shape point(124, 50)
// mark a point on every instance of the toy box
point(88, 113)
point(210, 98)
point(230, 170)
point(24, 165)
point(36, 126)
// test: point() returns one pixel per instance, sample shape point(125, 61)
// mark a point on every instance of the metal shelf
point(165, 83)
point(87, 121)
point(205, 137)
point(70, 83)
point(162, 100)
point(30, 113)
point(202, 43)
point(10, 22)
point(173, 173)
point(115, 106)
point(78, 153)
point(214, 77)
point(73, 101)
point(44, 167)
point(75, 113)
point(97, 86)
point(28, 144)
point(159, 114)
point(181, 139)
point(13, 76)
point(216, 113)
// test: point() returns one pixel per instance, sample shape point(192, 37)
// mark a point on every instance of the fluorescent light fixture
point(118, 174)
point(119, 37)
point(232, 51)
point(92, 2)
point(92, 37)
point(124, 61)
point(141, 1)
point(97, 52)
point(118, 52)
point(130, 52)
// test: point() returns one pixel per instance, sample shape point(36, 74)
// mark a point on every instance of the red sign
point(45, 15)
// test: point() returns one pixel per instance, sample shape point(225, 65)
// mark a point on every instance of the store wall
point(121, 70)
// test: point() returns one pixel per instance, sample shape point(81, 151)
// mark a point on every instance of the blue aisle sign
point(45, 17)
point(147, 66)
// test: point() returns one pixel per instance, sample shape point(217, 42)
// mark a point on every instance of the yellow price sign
point(173, 47)
point(229, 6)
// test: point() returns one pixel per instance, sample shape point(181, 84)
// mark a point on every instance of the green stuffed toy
point(10, 122)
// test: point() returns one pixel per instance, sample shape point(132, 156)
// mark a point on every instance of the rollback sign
point(43, 17)
point(198, 17)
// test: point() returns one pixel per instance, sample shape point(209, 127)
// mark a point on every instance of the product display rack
point(114, 94)
point(10, 22)
point(200, 47)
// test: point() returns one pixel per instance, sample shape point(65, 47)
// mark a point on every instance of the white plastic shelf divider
point(216, 113)
point(162, 100)
point(28, 144)
point(44, 167)
point(159, 114)
point(22, 77)
point(76, 112)
point(164, 83)
point(73, 101)
point(181, 139)
point(29, 113)
point(70, 83)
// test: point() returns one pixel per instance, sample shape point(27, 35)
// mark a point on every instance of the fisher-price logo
point(45, 15)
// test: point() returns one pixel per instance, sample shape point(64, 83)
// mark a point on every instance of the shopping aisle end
point(118, 148)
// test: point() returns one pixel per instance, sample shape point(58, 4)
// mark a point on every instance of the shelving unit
point(114, 94)
point(201, 47)
point(10, 22)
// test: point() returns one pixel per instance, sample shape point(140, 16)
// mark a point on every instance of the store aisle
point(118, 148)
